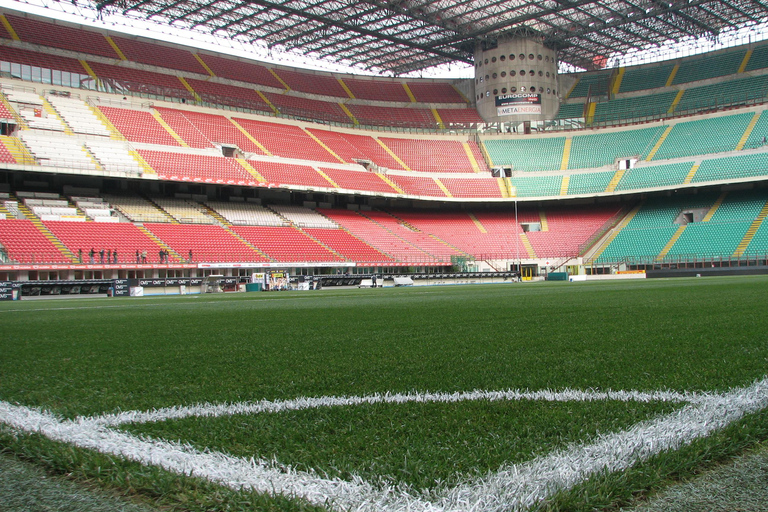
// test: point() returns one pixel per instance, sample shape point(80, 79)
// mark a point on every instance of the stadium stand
point(691, 138)
point(599, 149)
point(246, 214)
point(138, 126)
point(378, 90)
point(532, 154)
point(484, 186)
point(187, 143)
point(286, 140)
point(312, 83)
point(435, 92)
point(159, 55)
point(25, 243)
point(358, 180)
point(229, 95)
point(286, 244)
point(124, 238)
point(205, 242)
point(240, 70)
point(201, 168)
point(377, 236)
point(402, 117)
point(303, 217)
point(40, 32)
point(650, 76)
point(589, 182)
point(307, 109)
point(350, 247)
point(290, 174)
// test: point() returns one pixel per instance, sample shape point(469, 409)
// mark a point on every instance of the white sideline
point(514, 488)
point(267, 406)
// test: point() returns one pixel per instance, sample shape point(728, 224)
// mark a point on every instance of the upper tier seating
point(124, 238)
point(646, 77)
point(43, 60)
point(230, 95)
point(141, 82)
point(459, 116)
point(377, 89)
point(156, 54)
point(241, 70)
point(371, 115)
point(709, 66)
point(759, 58)
point(138, 126)
point(286, 244)
point(312, 83)
point(305, 108)
point(732, 92)
point(24, 243)
point(435, 92)
point(67, 38)
point(207, 243)
point(590, 83)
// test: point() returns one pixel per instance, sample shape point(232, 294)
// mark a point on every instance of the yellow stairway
point(750, 234)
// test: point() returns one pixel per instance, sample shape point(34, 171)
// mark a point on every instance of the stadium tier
point(219, 133)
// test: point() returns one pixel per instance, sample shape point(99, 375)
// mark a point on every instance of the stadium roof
point(402, 36)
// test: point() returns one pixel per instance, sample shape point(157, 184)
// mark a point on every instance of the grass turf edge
point(611, 491)
point(149, 485)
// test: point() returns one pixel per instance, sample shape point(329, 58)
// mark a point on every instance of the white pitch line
point(297, 404)
point(514, 488)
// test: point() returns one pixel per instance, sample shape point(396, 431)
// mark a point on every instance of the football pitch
point(517, 396)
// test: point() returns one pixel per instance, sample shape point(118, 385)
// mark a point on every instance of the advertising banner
point(518, 104)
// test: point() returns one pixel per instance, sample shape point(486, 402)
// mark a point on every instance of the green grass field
point(93, 357)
